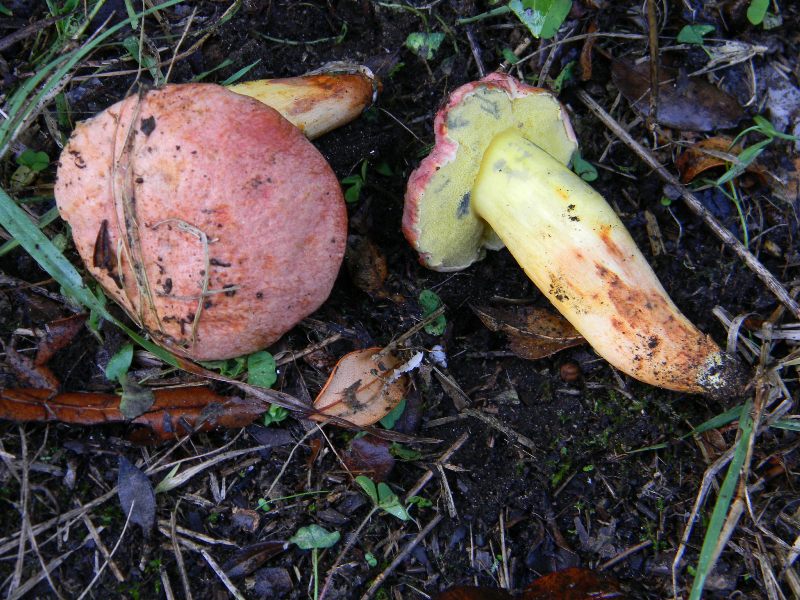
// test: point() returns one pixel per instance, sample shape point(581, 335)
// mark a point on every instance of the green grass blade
point(49, 258)
point(36, 243)
point(45, 220)
point(21, 104)
point(788, 424)
point(723, 502)
point(729, 416)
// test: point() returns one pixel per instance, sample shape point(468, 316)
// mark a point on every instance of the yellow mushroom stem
point(575, 249)
point(318, 102)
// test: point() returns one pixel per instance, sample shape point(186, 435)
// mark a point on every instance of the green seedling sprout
point(542, 17)
point(430, 302)
point(695, 36)
point(756, 11)
point(745, 158)
point(136, 399)
point(314, 538)
point(424, 45)
point(353, 184)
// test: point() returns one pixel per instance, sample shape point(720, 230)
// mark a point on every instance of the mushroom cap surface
point(438, 218)
point(212, 221)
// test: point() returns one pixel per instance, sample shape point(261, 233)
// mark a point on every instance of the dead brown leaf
point(369, 456)
point(573, 584)
point(58, 335)
point(29, 372)
point(704, 155)
point(366, 265)
point(688, 104)
point(468, 592)
point(532, 332)
point(174, 412)
point(361, 388)
point(586, 53)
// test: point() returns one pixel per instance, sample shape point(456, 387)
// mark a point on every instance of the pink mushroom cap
point(206, 215)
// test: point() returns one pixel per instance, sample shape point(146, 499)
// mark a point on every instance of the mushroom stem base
point(573, 246)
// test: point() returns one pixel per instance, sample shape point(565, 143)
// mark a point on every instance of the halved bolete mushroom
point(206, 215)
point(364, 387)
point(498, 176)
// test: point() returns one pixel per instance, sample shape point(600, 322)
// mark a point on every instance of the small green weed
point(275, 414)
point(695, 36)
point(389, 421)
point(314, 538)
point(757, 10)
point(583, 168)
point(424, 45)
point(383, 498)
point(430, 302)
point(353, 184)
point(542, 17)
point(136, 399)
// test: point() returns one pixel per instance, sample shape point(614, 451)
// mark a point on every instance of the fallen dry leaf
point(248, 559)
point(362, 389)
point(570, 584)
point(366, 265)
point(136, 496)
point(468, 592)
point(58, 335)
point(586, 53)
point(573, 584)
point(30, 372)
point(532, 332)
point(688, 104)
point(369, 456)
point(174, 412)
point(704, 155)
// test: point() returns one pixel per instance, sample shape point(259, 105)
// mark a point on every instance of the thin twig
point(351, 541)
point(708, 478)
point(51, 566)
point(98, 541)
point(476, 50)
point(110, 556)
point(445, 456)
point(652, 30)
point(625, 554)
point(23, 507)
point(176, 549)
point(501, 427)
point(401, 557)
point(412, 330)
point(695, 205)
point(234, 591)
point(178, 45)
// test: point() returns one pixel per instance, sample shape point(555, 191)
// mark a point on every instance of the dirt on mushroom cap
point(216, 204)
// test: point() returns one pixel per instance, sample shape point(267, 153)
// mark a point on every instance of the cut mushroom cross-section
point(498, 176)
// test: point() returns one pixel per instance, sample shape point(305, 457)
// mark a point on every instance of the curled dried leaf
point(58, 335)
point(363, 388)
point(532, 332)
point(366, 265)
point(573, 584)
point(174, 411)
point(369, 456)
point(704, 155)
point(691, 104)
point(468, 592)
